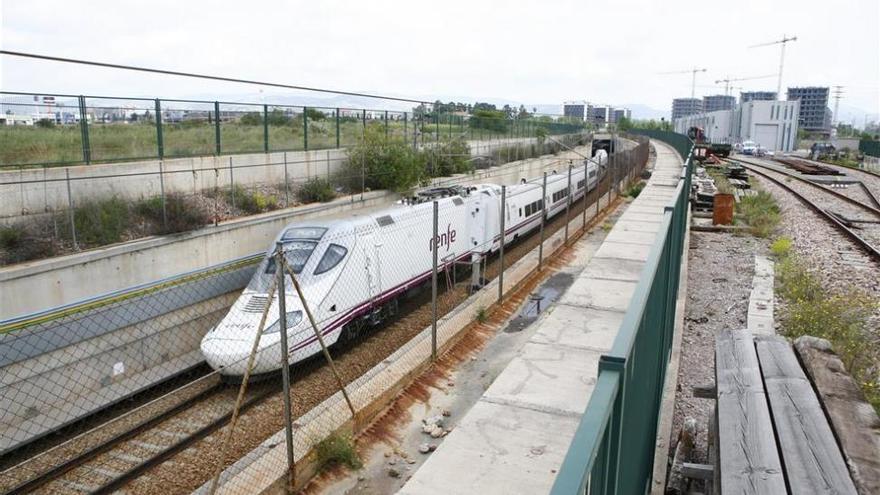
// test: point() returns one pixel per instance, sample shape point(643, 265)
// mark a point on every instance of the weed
point(10, 237)
point(634, 189)
point(18, 244)
point(781, 247)
point(316, 190)
point(607, 226)
point(482, 315)
point(337, 449)
point(761, 213)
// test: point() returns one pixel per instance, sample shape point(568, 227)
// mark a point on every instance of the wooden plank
point(811, 458)
point(747, 455)
point(855, 422)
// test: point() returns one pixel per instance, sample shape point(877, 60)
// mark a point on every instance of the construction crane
point(729, 80)
point(693, 73)
point(782, 42)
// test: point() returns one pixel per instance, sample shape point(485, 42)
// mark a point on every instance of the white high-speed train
point(353, 271)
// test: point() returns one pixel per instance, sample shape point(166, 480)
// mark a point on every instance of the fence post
point(84, 131)
point(159, 140)
point(434, 283)
point(405, 133)
point(231, 184)
point(217, 127)
point(586, 192)
point(501, 255)
point(386, 125)
point(436, 126)
point(285, 364)
point(265, 128)
point(70, 211)
point(568, 203)
point(306, 128)
point(543, 219)
point(162, 191)
point(364, 121)
point(286, 184)
point(337, 128)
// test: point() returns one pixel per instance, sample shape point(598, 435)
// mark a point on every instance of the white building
point(771, 124)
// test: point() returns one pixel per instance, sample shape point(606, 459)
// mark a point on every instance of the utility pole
point(838, 93)
point(782, 42)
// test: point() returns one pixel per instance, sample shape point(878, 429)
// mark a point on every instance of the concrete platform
point(515, 438)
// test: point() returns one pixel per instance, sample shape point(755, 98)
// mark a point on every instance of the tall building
point(682, 107)
point(747, 96)
point(575, 109)
point(714, 103)
point(620, 113)
point(599, 114)
point(815, 116)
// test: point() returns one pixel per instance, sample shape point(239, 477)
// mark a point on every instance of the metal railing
point(63, 129)
point(613, 448)
point(870, 148)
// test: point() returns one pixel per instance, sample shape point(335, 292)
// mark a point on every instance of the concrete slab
point(630, 237)
point(497, 449)
point(585, 328)
point(643, 217)
point(547, 378)
point(624, 250)
point(615, 269)
point(588, 292)
point(636, 226)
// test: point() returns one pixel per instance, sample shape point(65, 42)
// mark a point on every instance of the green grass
point(28, 145)
point(844, 319)
point(179, 214)
point(634, 189)
point(100, 222)
point(482, 315)
point(337, 449)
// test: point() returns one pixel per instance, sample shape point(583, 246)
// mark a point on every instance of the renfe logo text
point(443, 239)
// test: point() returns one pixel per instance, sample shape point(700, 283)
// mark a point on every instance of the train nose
point(228, 356)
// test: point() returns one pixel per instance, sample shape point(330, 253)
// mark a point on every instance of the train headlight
point(293, 319)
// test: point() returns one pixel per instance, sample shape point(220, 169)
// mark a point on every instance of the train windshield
point(297, 253)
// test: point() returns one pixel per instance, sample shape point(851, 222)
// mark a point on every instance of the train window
point(310, 233)
point(297, 253)
point(457, 201)
point(592, 173)
point(384, 220)
point(332, 257)
point(520, 212)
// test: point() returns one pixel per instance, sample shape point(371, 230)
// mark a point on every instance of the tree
point(491, 120)
point(386, 163)
point(252, 118)
point(624, 124)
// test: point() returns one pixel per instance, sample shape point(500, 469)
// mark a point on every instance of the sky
point(513, 51)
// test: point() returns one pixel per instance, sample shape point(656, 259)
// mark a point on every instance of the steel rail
point(871, 250)
point(832, 192)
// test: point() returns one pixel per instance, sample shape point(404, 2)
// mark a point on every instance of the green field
point(62, 144)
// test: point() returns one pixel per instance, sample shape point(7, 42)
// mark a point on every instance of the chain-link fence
point(57, 129)
point(99, 395)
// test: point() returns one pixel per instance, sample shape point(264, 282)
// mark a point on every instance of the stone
point(394, 473)
point(446, 413)
point(432, 447)
point(392, 462)
point(437, 432)
point(424, 448)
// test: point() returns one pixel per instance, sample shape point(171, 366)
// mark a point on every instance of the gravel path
point(720, 270)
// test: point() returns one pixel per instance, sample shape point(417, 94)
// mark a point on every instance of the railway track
point(859, 221)
point(195, 411)
point(869, 180)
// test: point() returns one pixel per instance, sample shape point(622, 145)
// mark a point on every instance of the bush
point(337, 449)
point(387, 163)
point(17, 244)
point(101, 222)
point(447, 158)
point(182, 214)
point(45, 123)
point(316, 190)
point(635, 189)
point(253, 202)
point(781, 247)
point(11, 237)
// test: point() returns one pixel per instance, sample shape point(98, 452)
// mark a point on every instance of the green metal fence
point(57, 129)
point(613, 448)
point(871, 148)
